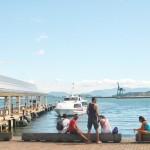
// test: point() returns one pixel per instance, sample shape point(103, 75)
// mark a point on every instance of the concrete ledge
point(55, 137)
point(108, 137)
point(5, 136)
point(144, 137)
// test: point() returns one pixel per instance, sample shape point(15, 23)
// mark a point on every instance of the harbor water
point(121, 113)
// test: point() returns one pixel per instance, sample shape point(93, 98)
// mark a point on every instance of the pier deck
point(17, 116)
point(126, 144)
point(18, 98)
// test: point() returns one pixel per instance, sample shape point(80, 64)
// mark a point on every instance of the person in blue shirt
point(144, 129)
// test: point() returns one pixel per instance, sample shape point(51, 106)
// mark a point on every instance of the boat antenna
point(72, 89)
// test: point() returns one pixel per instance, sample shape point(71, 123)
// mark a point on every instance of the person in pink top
point(105, 126)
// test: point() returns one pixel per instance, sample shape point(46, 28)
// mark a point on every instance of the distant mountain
point(105, 92)
point(110, 92)
point(85, 95)
point(58, 94)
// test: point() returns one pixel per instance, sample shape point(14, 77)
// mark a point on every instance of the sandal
point(99, 142)
point(87, 142)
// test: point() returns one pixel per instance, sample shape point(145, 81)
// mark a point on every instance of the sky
point(93, 44)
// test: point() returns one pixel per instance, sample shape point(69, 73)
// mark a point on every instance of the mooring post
point(14, 123)
point(9, 105)
point(9, 125)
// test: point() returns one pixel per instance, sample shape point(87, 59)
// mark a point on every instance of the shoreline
point(121, 97)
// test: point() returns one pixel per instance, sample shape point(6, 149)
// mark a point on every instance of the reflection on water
point(122, 113)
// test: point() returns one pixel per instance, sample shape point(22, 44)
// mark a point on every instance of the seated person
point(73, 128)
point(105, 126)
point(65, 124)
point(144, 129)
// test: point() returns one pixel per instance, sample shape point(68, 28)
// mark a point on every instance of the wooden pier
point(33, 102)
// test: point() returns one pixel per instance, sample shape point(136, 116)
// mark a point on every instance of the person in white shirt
point(65, 124)
point(105, 126)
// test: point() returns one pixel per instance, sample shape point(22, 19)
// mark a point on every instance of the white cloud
point(41, 37)
point(87, 85)
point(35, 81)
point(40, 52)
point(108, 83)
point(5, 62)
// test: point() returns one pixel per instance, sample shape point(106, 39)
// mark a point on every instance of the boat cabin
point(71, 99)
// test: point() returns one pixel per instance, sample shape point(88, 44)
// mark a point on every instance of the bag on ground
point(60, 124)
point(115, 130)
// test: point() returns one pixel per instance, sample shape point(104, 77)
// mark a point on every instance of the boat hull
point(70, 112)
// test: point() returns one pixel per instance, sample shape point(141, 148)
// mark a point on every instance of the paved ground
point(17, 144)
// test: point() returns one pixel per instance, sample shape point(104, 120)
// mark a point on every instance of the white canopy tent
point(10, 87)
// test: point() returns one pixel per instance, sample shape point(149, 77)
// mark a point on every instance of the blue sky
point(95, 44)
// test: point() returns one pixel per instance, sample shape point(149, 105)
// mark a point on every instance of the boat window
point(84, 103)
point(77, 105)
point(71, 99)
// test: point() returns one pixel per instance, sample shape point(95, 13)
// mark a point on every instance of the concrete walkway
point(17, 144)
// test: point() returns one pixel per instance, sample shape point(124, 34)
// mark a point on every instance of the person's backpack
point(60, 125)
point(115, 130)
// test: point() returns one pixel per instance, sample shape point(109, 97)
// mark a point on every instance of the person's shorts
point(74, 132)
point(94, 123)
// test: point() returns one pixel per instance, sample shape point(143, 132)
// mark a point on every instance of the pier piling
point(9, 125)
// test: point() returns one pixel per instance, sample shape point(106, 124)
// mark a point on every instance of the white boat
point(71, 105)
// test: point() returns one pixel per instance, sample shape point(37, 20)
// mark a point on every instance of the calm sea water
point(122, 113)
